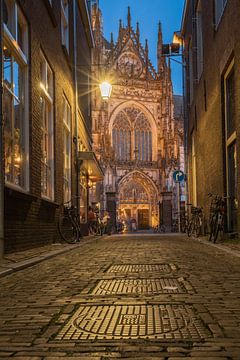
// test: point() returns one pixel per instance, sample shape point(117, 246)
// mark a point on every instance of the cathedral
point(138, 132)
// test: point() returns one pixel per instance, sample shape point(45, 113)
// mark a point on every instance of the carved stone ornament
point(130, 65)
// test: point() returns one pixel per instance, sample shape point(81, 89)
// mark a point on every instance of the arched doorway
point(137, 199)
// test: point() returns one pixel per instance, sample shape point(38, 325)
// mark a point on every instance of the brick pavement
point(135, 297)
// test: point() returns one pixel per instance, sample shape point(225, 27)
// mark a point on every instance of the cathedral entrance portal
point(137, 200)
point(143, 219)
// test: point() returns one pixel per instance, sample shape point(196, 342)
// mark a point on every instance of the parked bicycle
point(216, 216)
point(96, 227)
point(184, 221)
point(69, 223)
point(195, 221)
point(159, 229)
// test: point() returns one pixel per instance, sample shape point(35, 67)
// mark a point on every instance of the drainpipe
point(76, 142)
point(2, 168)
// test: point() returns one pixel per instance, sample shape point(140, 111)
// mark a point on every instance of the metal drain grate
point(112, 322)
point(140, 286)
point(136, 268)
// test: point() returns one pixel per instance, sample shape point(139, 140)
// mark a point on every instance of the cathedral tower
point(136, 137)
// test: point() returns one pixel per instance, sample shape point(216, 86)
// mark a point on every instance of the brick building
point(138, 134)
point(212, 50)
point(47, 115)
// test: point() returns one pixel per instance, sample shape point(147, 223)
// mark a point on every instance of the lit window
point(67, 150)
point(65, 23)
point(47, 156)
point(15, 96)
point(219, 9)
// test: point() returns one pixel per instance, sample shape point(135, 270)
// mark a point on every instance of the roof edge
point(184, 16)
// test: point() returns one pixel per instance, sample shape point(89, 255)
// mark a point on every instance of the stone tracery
point(132, 135)
point(137, 126)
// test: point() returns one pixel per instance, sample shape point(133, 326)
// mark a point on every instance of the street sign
point(178, 176)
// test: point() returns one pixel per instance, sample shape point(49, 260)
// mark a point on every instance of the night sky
point(147, 13)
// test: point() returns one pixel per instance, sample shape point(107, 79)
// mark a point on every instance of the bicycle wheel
point(214, 229)
point(219, 227)
point(190, 228)
point(211, 226)
point(68, 229)
point(216, 232)
point(198, 226)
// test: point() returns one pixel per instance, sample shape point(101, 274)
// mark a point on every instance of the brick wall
point(205, 113)
point(29, 220)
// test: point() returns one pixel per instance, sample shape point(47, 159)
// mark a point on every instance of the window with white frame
point(67, 150)
point(47, 156)
point(231, 146)
point(219, 9)
point(15, 95)
point(199, 39)
point(65, 23)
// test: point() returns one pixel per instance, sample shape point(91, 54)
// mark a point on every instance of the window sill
point(19, 194)
point(49, 203)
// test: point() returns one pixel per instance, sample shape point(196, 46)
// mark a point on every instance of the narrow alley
point(140, 296)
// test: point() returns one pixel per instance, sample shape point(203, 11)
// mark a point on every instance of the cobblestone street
point(135, 297)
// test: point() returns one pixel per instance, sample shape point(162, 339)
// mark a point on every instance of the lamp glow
point(105, 89)
point(177, 38)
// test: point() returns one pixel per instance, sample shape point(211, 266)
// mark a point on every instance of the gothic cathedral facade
point(137, 134)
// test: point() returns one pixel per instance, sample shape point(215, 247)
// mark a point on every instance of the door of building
point(143, 219)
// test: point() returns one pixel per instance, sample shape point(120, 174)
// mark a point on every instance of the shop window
point(67, 150)
point(15, 96)
point(47, 140)
point(83, 198)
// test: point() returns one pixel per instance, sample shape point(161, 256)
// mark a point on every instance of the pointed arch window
point(143, 138)
point(121, 135)
point(132, 136)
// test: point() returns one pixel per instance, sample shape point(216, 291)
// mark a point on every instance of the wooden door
point(143, 219)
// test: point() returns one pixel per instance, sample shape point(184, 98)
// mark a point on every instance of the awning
point(89, 162)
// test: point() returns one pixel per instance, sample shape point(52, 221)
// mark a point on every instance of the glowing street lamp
point(105, 89)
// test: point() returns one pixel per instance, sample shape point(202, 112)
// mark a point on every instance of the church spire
point(120, 31)
point(138, 34)
point(159, 48)
point(112, 41)
point(146, 57)
point(159, 32)
point(129, 17)
point(146, 48)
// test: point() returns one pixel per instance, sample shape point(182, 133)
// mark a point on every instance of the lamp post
point(2, 170)
point(106, 90)
point(176, 49)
